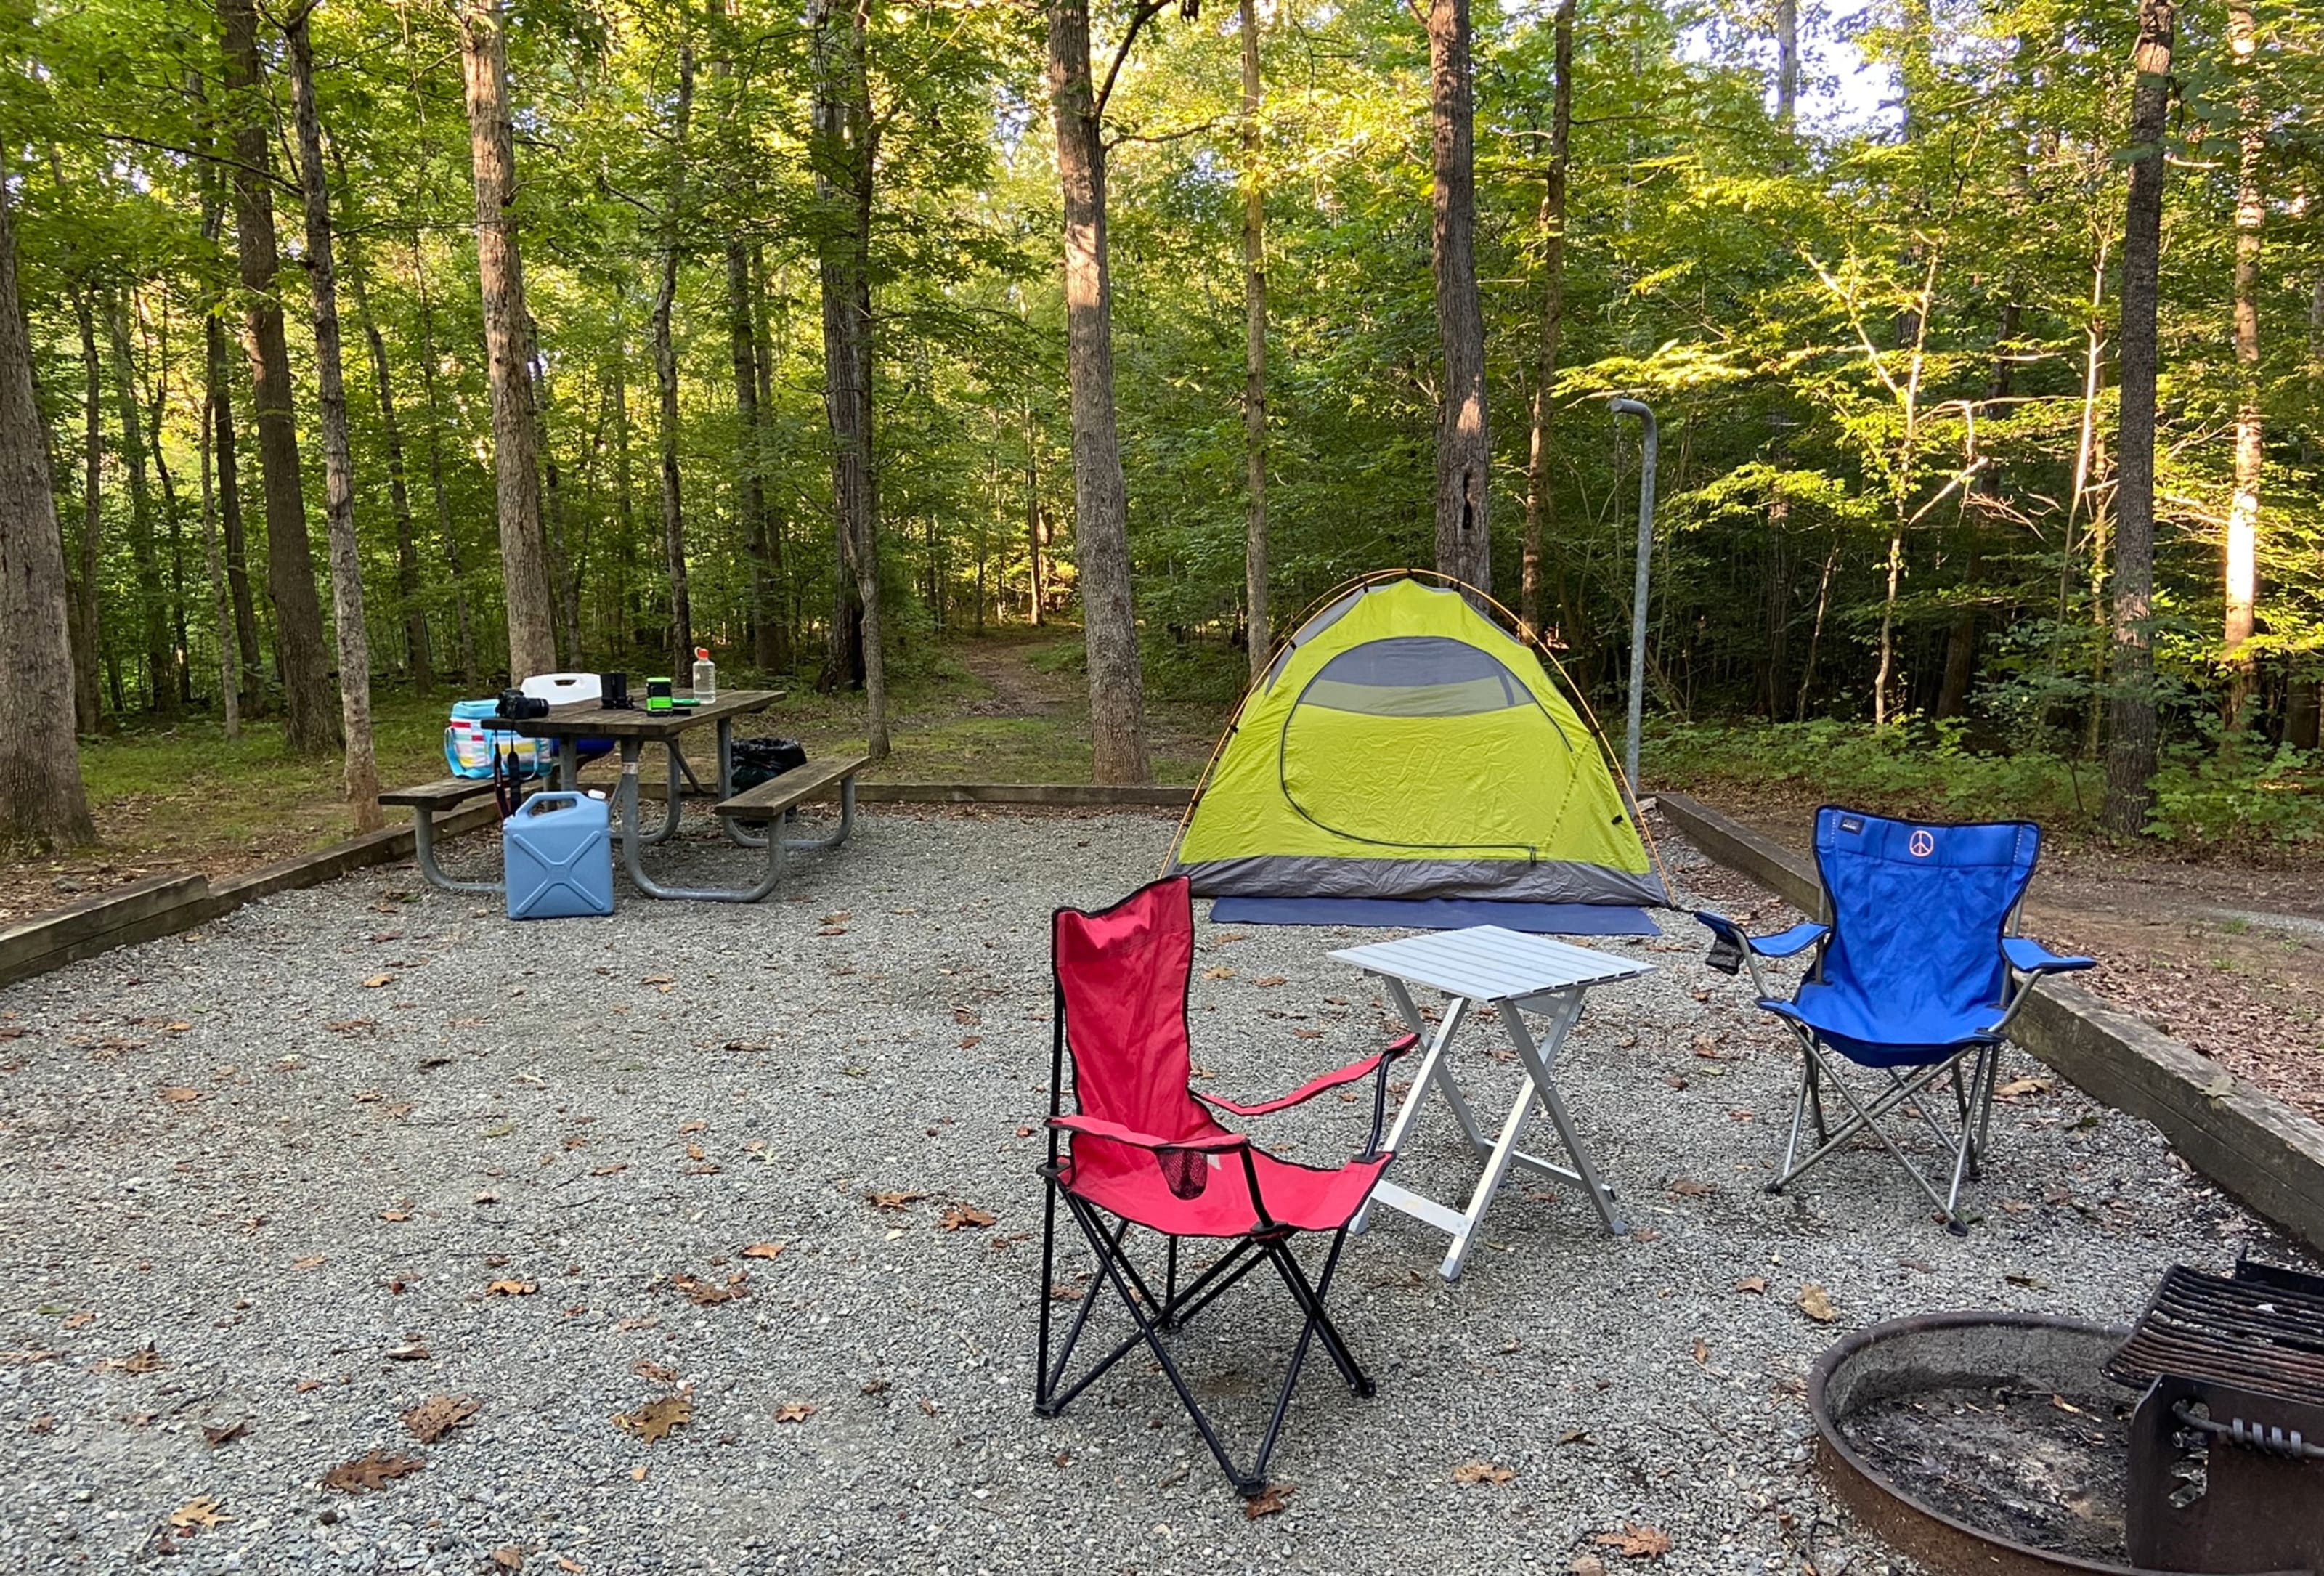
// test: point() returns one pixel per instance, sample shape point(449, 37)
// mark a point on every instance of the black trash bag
point(760, 760)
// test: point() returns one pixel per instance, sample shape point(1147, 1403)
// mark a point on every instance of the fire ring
point(2019, 1351)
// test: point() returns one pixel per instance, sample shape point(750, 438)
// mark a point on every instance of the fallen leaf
point(1687, 1188)
point(1221, 972)
point(145, 1359)
point(694, 1152)
point(969, 1042)
point(706, 1293)
point(1575, 1436)
point(1702, 1352)
point(312, 1261)
point(873, 1386)
point(1468, 1474)
point(894, 1200)
point(1273, 1500)
point(351, 1026)
point(376, 981)
point(180, 1096)
point(2031, 1282)
point(964, 1216)
point(2062, 1405)
point(1816, 1304)
point(225, 1433)
point(795, 1412)
point(1756, 1284)
point(80, 1320)
point(438, 1415)
point(1636, 1540)
point(657, 980)
point(743, 1047)
point(656, 1418)
point(1707, 1048)
point(196, 1514)
point(1269, 981)
point(375, 1470)
point(1308, 1034)
point(2023, 1089)
point(395, 1217)
point(765, 1250)
point(180, 1027)
point(626, 1325)
point(512, 1289)
point(842, 917)
point(413, 1351)
point(1586, 1565)
point(511, 1558)
point(609, 1170)
point(645, 1368)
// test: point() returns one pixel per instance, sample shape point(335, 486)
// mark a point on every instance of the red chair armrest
point(1314, 1087)
point(1091, 1126)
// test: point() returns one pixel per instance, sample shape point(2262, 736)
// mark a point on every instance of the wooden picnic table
point(632, 728)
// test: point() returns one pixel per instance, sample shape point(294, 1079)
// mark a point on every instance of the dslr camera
point(518, 706)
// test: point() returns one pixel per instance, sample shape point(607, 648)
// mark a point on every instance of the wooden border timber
point(162, 906)
point(1022, 793)
point(2251, 1144)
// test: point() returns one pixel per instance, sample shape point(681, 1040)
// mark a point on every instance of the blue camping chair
point(1915, 979)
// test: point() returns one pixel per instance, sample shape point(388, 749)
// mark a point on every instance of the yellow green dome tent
point(1402, 745)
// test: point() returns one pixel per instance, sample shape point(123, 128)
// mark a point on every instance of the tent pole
point(1650, 444)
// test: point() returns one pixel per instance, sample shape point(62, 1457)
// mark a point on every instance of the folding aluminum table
point(1509, 974)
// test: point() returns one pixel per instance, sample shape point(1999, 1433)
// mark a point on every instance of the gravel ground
point(273, 1162)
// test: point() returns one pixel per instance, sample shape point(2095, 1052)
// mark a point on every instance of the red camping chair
point(1140, 1151)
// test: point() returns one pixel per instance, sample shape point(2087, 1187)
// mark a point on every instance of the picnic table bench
point(769, 805)
point(426, 801)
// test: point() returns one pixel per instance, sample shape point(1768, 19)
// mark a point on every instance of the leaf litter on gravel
point(1635, 1541)
point(372, 1471)
point(708, 1294)
point(656, 1418)
point(438, 1415)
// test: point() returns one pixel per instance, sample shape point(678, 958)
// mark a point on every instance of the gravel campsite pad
point(367, 1231)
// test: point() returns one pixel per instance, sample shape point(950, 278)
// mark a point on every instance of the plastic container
point(706, 675)
point(557, 855)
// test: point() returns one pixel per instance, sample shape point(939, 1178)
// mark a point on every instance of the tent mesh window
point(1416, 675)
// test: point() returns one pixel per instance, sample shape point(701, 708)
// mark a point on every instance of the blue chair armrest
point(2029, 956)
point(1782, 945)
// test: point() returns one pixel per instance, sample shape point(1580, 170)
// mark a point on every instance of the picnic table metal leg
point(1497, 1167)
point(1409, 1111)
point(735, 833)
point(423, 852)
point(632, 848)
point(832, 839)
point(1539, 1061)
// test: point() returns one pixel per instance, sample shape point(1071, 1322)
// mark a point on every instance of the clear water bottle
point(705, 674)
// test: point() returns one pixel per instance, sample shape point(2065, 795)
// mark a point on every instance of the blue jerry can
point(557, 853)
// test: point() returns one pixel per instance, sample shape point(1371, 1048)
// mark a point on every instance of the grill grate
point(2262, 1332)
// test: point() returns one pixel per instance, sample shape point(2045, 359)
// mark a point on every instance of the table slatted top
point(1489, 963)
point(586, 719)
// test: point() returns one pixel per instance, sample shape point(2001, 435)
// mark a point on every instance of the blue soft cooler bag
point(558, 855)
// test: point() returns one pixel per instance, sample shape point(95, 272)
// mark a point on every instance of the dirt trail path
point(1018, 688)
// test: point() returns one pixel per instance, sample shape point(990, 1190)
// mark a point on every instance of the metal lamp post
point(1651, 442)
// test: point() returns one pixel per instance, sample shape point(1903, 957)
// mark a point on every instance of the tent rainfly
point(1402, 745)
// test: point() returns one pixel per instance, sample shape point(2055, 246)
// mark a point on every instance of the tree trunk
point(500, 266)
point(1036, 525)
point(767, 631)
point(563, 560)
point(153, 614)
point(844, 170)
point(1259, 638)
point(85, 627)
point(1541, 500)
point(1100, 500)
point(1787, 62)
point(418, 660)
point(229, 649)
point(2243, 513)
point(2131, 744)
point(446, 534)
point(624, 473)
point(312, 726)
point(779, 607)
point(1464, 450)
point(157, 401)
point(220, 391)
point(338, 455)
point(665, 358)
point(43, 805)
